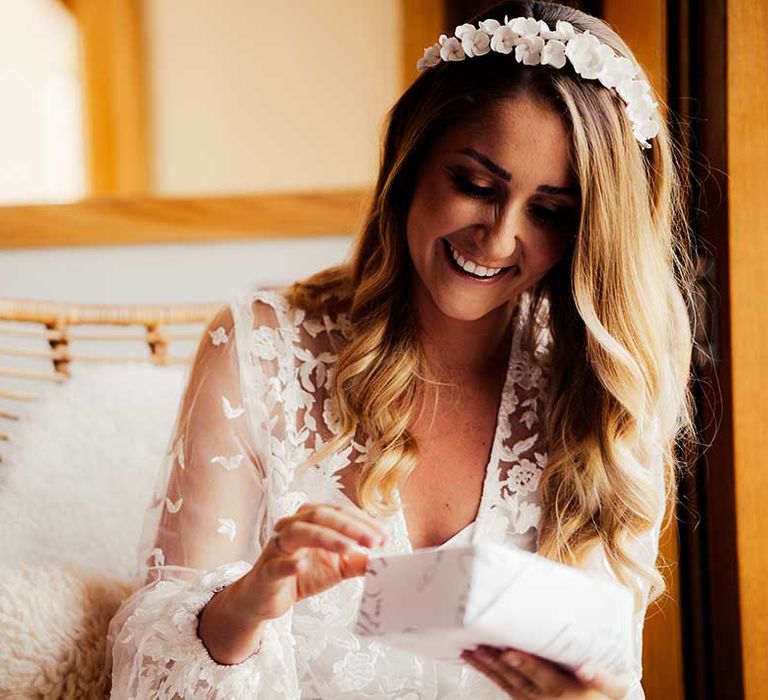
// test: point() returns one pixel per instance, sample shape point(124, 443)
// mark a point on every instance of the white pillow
point(81, 468)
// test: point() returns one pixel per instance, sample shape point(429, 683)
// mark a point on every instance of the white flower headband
point(535, 44)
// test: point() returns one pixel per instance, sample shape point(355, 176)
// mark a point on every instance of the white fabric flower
point(634, 90)
point(587, 54)
point(430, 58)
point(227, 528)
point(173, 507)
point(219, 336)
point(450, 50)
point(617, 70)
point(265, 343)
point(474, 42)
point(524, 26)
point(553, 54)
point(642, 108)
point(229, 463)
point(489, 26)
point(503, 40)
point(230, 412)
point(523, 477)
point(546, 33)
point(645, 130)
point(565, 30)
point(528, 50)
point(463, 29)
point(330, 416)
point(355, 671)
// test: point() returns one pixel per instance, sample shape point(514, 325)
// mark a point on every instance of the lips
point(485, 278)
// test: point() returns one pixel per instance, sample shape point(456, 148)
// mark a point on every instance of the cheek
point(547, 251)
point(434, 213)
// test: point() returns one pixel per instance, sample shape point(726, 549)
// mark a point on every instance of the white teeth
point(473, 268)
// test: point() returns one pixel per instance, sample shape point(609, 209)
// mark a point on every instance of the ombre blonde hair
point(617, 305)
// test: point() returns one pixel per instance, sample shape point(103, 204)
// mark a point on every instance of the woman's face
point(495, 207)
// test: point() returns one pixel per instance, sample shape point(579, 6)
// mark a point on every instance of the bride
point(505, 356)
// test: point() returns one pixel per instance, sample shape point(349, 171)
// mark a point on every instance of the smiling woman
point(505, 356)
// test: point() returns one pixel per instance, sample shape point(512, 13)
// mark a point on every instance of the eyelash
point(464, 186)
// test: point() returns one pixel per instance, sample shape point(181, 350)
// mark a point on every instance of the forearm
point(229, 636)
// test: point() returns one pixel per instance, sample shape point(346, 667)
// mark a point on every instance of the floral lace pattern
point(231, 481)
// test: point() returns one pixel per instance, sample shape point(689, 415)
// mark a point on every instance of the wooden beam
point(172, 220)
point(114, 95)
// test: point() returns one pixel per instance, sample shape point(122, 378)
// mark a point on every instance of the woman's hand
point(528, 677)
point(316, 551)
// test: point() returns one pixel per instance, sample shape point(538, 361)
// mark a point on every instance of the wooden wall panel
point(422, 22)
point(747, 114)
point(643, 25)
point(173, 220)
point(114, 92)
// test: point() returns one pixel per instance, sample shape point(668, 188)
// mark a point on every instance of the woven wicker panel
point(41, 342)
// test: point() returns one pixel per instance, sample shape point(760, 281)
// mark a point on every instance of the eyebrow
point(497, 170)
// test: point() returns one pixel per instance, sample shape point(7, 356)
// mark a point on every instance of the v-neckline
point(491, 468)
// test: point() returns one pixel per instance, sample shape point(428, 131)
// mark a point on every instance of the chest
point(455, 435)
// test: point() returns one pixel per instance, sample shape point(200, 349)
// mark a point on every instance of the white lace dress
point(255, 405)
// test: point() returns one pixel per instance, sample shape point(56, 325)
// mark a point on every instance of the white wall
point(264, 95)
point(42, 157)
point(188, 272)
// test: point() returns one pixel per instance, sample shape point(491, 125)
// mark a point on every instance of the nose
point(501, 237)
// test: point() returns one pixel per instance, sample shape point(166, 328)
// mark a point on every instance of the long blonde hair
point(618, 305)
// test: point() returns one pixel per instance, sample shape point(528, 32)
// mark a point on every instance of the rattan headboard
point(53, 326)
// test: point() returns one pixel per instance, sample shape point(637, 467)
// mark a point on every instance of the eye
point(465, 186)
point(559, 218)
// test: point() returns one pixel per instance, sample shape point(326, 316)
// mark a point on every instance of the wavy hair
point(618, 306)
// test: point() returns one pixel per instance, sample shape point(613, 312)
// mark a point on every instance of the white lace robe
point(255, 405)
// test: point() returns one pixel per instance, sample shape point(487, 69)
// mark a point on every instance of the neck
point(463, 348)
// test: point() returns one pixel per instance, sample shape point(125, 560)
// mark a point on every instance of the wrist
point(229, 634)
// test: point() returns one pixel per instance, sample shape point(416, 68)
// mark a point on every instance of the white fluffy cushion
point(74, 486)
point(54, 621)
point(80, 469)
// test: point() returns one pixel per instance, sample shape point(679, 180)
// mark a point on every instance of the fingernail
point(360, 549)
point(512, 658)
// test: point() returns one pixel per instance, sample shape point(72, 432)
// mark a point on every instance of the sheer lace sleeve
point(645, 548)
point(205, 526)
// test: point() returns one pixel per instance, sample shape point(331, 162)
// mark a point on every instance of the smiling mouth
point(472, 270)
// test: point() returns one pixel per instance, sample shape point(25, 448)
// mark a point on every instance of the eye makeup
point(462, 184)
point(558, 217)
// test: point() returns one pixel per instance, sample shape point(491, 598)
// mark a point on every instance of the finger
point(612, 685)
point(365, 517)
point(299, 534)
point(491, 674)
point(343, 520)
point(378, 531)
point(490, 658)
point(544, 675)
point(353, 564)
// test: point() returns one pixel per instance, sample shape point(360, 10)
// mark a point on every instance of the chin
point(466, 307)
